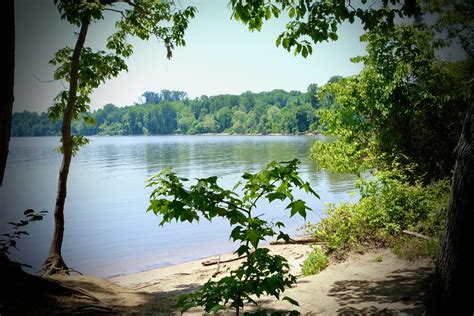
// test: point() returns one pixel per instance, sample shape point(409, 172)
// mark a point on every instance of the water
point(108, 230)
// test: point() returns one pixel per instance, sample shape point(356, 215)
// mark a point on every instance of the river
point(108, 230)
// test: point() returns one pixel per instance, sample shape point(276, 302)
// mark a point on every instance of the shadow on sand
point(406, 288)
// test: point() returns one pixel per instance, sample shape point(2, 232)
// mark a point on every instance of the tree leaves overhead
point(318, 21)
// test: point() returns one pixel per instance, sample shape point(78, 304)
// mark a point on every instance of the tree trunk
point(7, 72)
point(451, 292)
point(55, 264)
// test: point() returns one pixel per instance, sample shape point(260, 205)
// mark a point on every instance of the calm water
point(108, 230)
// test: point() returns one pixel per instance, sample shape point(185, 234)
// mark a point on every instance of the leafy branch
point(262, 273)
point(9, 240)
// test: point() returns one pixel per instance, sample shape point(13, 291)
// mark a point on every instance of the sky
point(221, 56)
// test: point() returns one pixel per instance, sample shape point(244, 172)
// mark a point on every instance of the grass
point(412, 248)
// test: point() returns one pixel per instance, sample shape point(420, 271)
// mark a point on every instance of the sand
point(376, 282)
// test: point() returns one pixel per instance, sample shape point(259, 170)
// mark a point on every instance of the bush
point(316, 262)
point(388, 205)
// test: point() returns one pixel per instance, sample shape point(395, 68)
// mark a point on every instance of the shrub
point(388, 205)
point(316, 262)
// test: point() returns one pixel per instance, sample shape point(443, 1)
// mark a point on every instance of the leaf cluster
point(318, 21)
point(77, 141)
point(9, 240)
point(261, 273)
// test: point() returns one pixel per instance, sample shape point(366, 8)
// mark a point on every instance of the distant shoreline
point(203, 134)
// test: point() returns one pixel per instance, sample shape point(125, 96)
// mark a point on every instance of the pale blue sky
point(221, 56)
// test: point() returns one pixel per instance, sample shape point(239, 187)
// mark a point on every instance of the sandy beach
point(376, 282)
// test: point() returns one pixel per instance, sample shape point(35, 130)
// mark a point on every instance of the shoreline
point(170, 278)
point(298, 240)
point(203, 134)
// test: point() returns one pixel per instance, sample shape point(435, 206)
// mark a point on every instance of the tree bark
point(7, 71)
point(451, 291)
point(55, 264)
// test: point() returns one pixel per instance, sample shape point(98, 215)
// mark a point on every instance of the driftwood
point(417, 235)
point(218, 267)
point(217, 261)
point(299, 240)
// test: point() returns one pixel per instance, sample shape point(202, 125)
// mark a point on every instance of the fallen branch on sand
point(417, 235)
point(299, 240)
point(216, 261)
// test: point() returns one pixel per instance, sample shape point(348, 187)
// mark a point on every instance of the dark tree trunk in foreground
point(54, 264)
point(7, 72)
point(451, 292)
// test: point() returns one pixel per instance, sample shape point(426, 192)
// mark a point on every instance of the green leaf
point(304, 52)
point(298, 206)
point(253, 237)
point(242, 250)
point(268, 14)
point(275, 11)
point(283, 236)
point(275, 196)
point(28, 211)
point(236, 233)
point(333, 36)
point(292, 12)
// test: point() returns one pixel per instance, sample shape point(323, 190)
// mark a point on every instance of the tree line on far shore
point(172, 112)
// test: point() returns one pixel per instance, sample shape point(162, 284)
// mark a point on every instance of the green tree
point(223, 119)
point(186, 121)
point(273, 115)
point(209, 124)
point(312, 95)
point(238, 122)
point(405, 102)
point(85, 70)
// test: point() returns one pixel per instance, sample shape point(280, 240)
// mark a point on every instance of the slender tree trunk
point(451, 292)
point(54, 263)
point(7, 73)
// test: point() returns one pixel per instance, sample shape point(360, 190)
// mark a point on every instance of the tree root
point(55, 264)
point(21, 284)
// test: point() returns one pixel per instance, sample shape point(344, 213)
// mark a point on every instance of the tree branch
point(114, 10)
